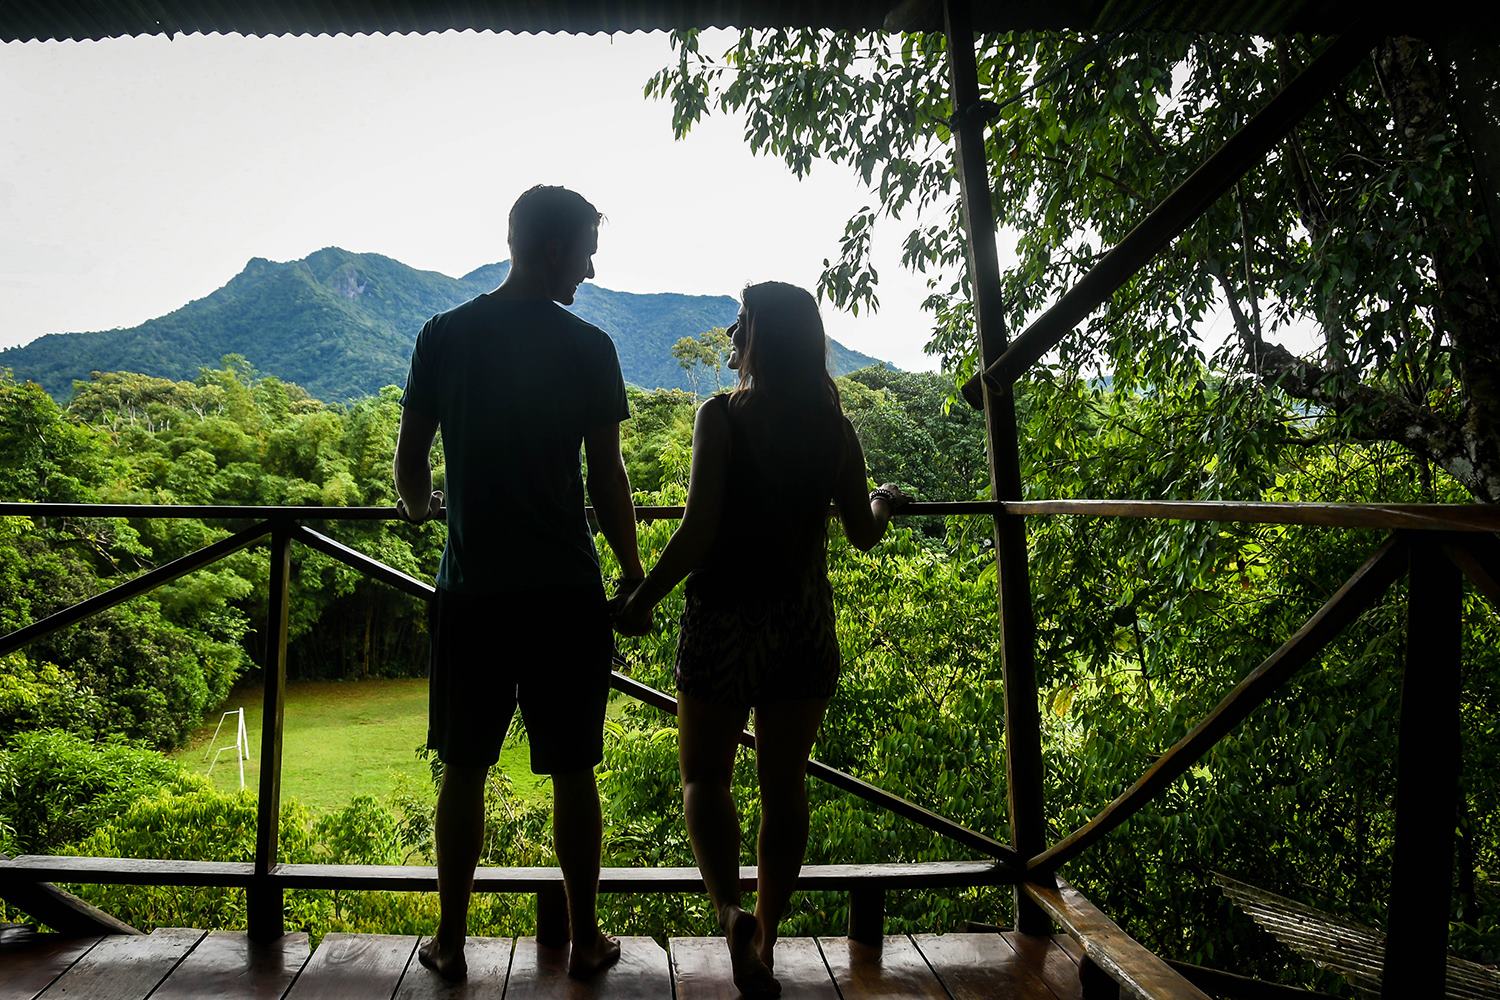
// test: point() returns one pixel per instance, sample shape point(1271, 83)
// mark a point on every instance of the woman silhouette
point(758, 627)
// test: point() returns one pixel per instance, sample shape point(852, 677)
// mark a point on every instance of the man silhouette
point(516, 383)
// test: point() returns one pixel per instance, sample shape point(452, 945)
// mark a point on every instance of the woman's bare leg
point(784, 734)
point(708, 735)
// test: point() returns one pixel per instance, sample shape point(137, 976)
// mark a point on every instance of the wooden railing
point(1436, 545)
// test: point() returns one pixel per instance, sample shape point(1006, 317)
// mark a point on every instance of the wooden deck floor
point(174, 963)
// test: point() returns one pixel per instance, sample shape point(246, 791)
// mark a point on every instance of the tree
point(709, 350)
point(1366, 228)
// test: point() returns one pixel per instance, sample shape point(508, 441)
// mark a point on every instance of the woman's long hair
point(783, 351)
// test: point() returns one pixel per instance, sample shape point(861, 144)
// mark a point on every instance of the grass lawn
point(342, 739)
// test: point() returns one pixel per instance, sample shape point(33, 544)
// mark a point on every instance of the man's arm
point(609, 489)
point(413, 466)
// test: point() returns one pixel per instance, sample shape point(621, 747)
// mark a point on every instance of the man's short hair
point(545, 213)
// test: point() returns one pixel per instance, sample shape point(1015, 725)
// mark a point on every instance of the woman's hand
point(894, 497)
point(634, 617)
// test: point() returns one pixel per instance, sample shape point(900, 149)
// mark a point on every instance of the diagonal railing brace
point(1358, 594)
point(150, 580)
point(1180, 209)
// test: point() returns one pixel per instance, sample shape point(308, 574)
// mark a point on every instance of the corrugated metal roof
point(27, 20)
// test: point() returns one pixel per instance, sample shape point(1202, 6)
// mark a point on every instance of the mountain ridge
point(342, 324)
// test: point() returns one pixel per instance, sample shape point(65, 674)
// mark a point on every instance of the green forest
point(1141, 626)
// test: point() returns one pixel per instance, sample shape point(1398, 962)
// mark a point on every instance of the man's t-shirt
point(514, 385)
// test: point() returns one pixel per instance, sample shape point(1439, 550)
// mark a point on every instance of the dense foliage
point(341, 325)
point(1366, 232)
point(1142, 627)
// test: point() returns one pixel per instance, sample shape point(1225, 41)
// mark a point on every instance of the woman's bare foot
point(589, 959)
point(751, 975)
point(446, 962)
point(765, 944)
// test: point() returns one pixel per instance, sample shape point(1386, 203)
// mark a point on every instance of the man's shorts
point(548, 651)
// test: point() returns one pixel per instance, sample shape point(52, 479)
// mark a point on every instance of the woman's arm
point(700, 521)
point(864, 519)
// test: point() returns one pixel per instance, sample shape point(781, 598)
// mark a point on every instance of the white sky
point(137, 174)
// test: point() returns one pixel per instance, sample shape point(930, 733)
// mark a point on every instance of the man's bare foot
point(751, 974)
point(446, 962)
point(586, 961)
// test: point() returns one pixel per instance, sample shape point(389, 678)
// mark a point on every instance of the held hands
point(630, 616)
point(434, 509)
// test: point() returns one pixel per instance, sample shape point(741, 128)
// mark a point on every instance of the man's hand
point(633, 618)
point(624, 587)
point(434, 509)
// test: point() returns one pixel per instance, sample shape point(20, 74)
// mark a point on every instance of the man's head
point(554, 234)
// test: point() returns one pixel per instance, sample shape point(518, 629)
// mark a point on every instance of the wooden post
point(867, 915)
point(552, 926)
point(1023, 739)
point(1416, 947)
point(263, 898)
point(1094, 983)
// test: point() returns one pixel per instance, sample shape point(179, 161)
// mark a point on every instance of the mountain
point(342, 324)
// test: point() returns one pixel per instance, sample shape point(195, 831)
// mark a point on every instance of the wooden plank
point(33, 964)
point(1139, 973)
point(980, 967)
point(894, 971)
point(205, 512)
point(124, 871)
point(538, 972)
point(1186, 203)
point(423, 878)
point(1056, 967)
point(1069, 947)
point(800, 968)
point(228, 965)
point(1391, 517)
point(1427, 793)
point(354, 967)
point(489, 966)
point(1023, 732)
point(1413, 516)
point(60, 910)
point(31, 868)
point(1358, 593)
point(700, 969)
point(125, 967)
